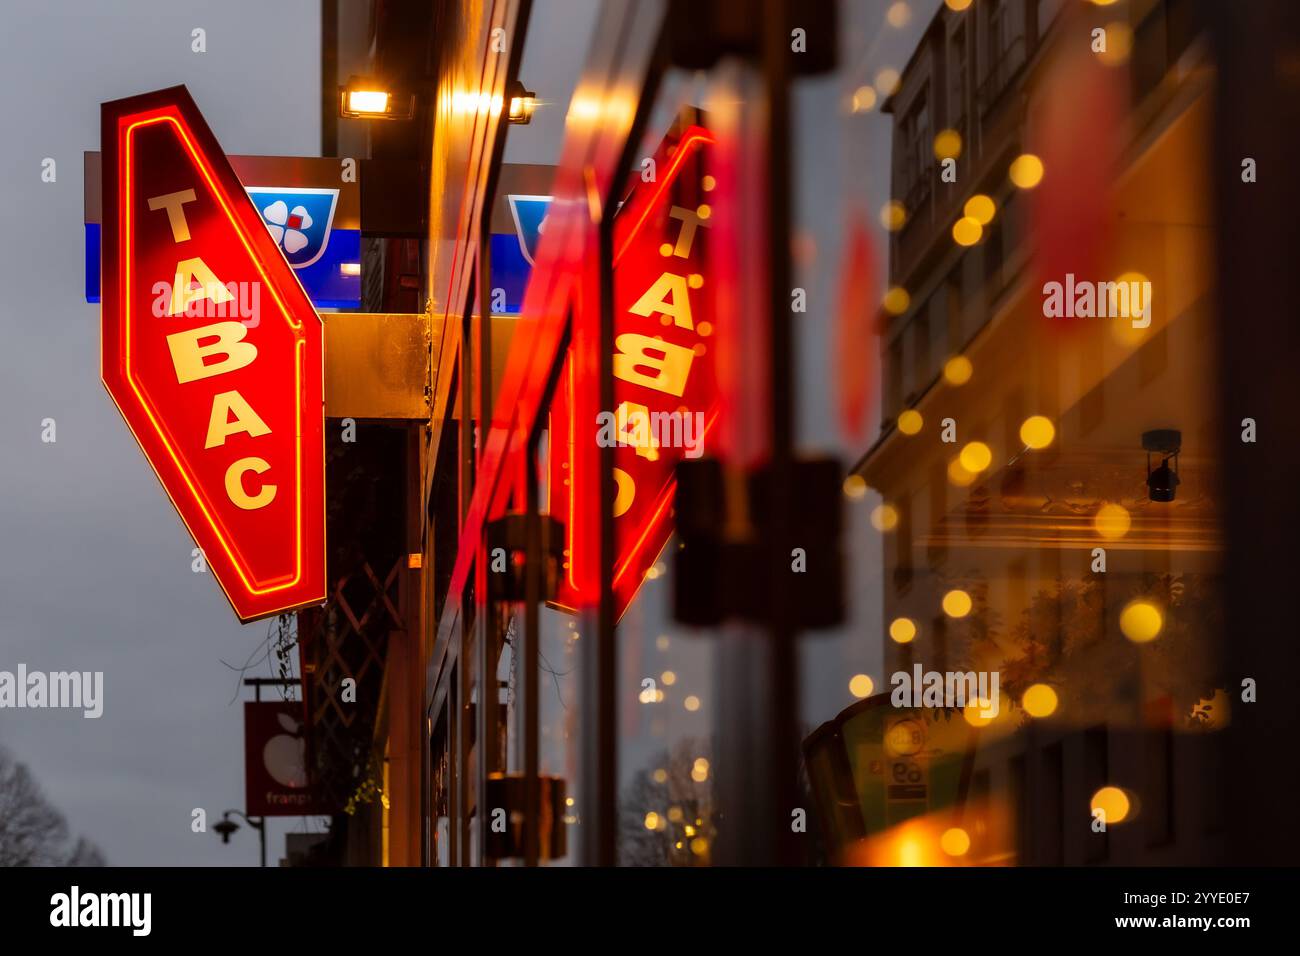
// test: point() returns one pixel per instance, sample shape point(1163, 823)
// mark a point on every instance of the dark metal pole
point(257, 683)
point(532, 659)
point(258, 824)
point(603, 815)
point(783, 661)
point(601, 662)
point(1257, 116)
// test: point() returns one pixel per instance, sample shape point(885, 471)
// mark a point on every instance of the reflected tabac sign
point(665, 385)
point(213, 354)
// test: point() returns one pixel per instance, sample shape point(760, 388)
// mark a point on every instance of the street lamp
point(521, 103)
point(226, 827)
point(1163, 482)
point(364, 97)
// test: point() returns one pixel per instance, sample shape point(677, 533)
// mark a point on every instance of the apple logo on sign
point(285, 755)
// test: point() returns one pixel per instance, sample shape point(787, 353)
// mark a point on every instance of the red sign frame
point(661, 255)
point(250, 490)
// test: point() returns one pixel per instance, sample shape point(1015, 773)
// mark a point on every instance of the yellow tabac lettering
point(625, 492)
point(235, 484)
point(656, 300)
point(174, 203)
point(691, 219)
point(188, 355)
point(633, 422)
point(187, 270)
point(220, 427)
point(671, 365)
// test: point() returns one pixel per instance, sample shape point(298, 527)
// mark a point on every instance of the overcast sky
point(94, 563)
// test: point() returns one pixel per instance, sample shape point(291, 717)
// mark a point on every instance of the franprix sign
point(665, 382)
point(213, 354)
point(276, 778)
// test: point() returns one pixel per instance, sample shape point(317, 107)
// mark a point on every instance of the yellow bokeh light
point(975, 457)
point(1121, 326)
point(910, 421)
point(700, 770)
point(1130, 278)
point(1119, 44)
point(957, 5)
point(861, 685)
point(958, 475)
point(958, 370)
point(1112, 521)
point(978, 712)
point(1141, 621)
point(668, 678)
point(910, 853)
point(864, 98)
point(1113, 803)
point(966, 231)
point(956, 603)
point(947, 144)
point(896, 300)
point(980, 208)
point(661, 775)
point(1026, 171)
point(899, 14)
point(700, 846)
point(652, 821)
point(893, 215)
point(902, 630)
point(955, 841)
point(675, 814)
point(1039, 700)
point(1037, 431)
point(855, 487)
point(691, 703)
point(884, 518)
point(887, 81)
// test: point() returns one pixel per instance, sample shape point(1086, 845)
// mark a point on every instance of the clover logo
point(287, 226)
point(298, 218)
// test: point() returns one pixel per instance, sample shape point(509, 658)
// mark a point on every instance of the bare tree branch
point(32, 832)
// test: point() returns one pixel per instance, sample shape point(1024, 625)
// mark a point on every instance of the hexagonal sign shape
point(665, 379)
point(213, 354)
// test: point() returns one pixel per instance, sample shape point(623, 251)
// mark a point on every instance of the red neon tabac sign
point(665, 383)
point(213, 354)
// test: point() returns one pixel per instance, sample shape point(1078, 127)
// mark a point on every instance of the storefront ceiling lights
point(364, 97)
point(522, 103)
